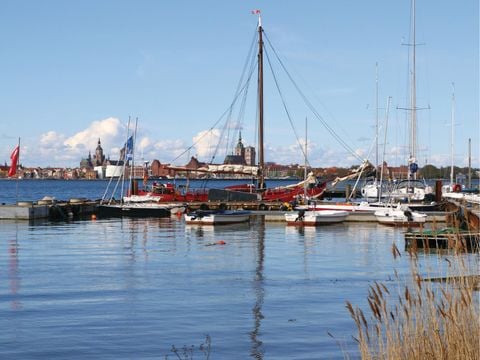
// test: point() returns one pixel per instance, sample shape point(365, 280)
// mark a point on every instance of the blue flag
point(129, 148)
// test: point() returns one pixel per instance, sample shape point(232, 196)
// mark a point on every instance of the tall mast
point(413, 98)
point(376, 120)
point(306, 164)
point(452, 140)
point(469, 163)
point(261, 163)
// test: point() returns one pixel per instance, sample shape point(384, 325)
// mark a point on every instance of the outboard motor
point(301, 215)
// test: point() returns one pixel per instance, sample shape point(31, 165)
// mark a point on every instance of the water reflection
point(259, 291)
point(13, 275)
point(204, 231)
point(306, 232)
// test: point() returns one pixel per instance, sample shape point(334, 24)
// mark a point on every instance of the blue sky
point(71, 72)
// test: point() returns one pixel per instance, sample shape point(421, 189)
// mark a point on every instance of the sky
point(72, 72)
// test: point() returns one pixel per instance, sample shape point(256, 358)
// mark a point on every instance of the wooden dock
point(51, 210)
point(447, 238)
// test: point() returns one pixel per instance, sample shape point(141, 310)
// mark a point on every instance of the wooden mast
point(261, 160)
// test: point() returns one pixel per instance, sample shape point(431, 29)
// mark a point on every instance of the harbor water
point(133, 288)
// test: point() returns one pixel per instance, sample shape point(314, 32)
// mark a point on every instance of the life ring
point(457, 188)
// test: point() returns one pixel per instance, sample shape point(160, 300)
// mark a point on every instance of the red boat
point(170, 193)
point(310, 188)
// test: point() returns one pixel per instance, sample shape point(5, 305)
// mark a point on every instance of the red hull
point(168, 193)
point(282, 194)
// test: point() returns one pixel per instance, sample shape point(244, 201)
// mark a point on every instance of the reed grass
point(419, 319)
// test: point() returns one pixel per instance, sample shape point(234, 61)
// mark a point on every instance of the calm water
point(132, 288)
point(32, 190)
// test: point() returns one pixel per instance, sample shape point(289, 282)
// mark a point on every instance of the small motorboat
point(217, 217)
point(301, 217)
point(401, 215)
point(134, 210)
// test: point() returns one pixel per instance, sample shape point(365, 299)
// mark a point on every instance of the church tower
point(240, 149)
point(99, 157)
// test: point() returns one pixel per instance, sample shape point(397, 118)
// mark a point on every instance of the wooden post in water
point(438, 190)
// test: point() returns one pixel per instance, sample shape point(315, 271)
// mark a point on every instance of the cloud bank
point(67, 150)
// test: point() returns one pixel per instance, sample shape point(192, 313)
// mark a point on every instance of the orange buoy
point(94, 217)
point(221, 242)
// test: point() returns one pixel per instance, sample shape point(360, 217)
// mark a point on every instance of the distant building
point(234, 160)
point(240, 149)
point(98, 158)
point(194, 164)
point(161, 170)
point(250, 156)
point(242, 156)
point(87, 163)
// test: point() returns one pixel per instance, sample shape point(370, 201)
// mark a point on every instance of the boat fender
point(203, 206)
point(222, 206)
point(262, 206)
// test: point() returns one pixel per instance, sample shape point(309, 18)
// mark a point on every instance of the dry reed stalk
point(426, 320)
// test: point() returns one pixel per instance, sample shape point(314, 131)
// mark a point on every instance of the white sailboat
point(411, 189)
point(129, 207)
point(452, 190)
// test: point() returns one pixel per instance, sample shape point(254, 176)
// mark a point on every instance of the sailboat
point(309, 188)
point(128, 207)
point(258, 191)
point(375, 189)
point(410, 189)
point(413, 189)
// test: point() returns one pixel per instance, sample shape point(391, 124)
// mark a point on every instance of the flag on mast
point(256, 11)
point(14, 158)
point(129, 148)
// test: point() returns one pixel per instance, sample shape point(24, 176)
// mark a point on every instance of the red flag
point(256, 11)
point(14, 157)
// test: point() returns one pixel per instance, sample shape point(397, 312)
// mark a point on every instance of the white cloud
point(107, 130)
point(55, 149)
point(51, 138)
point(206, 142)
